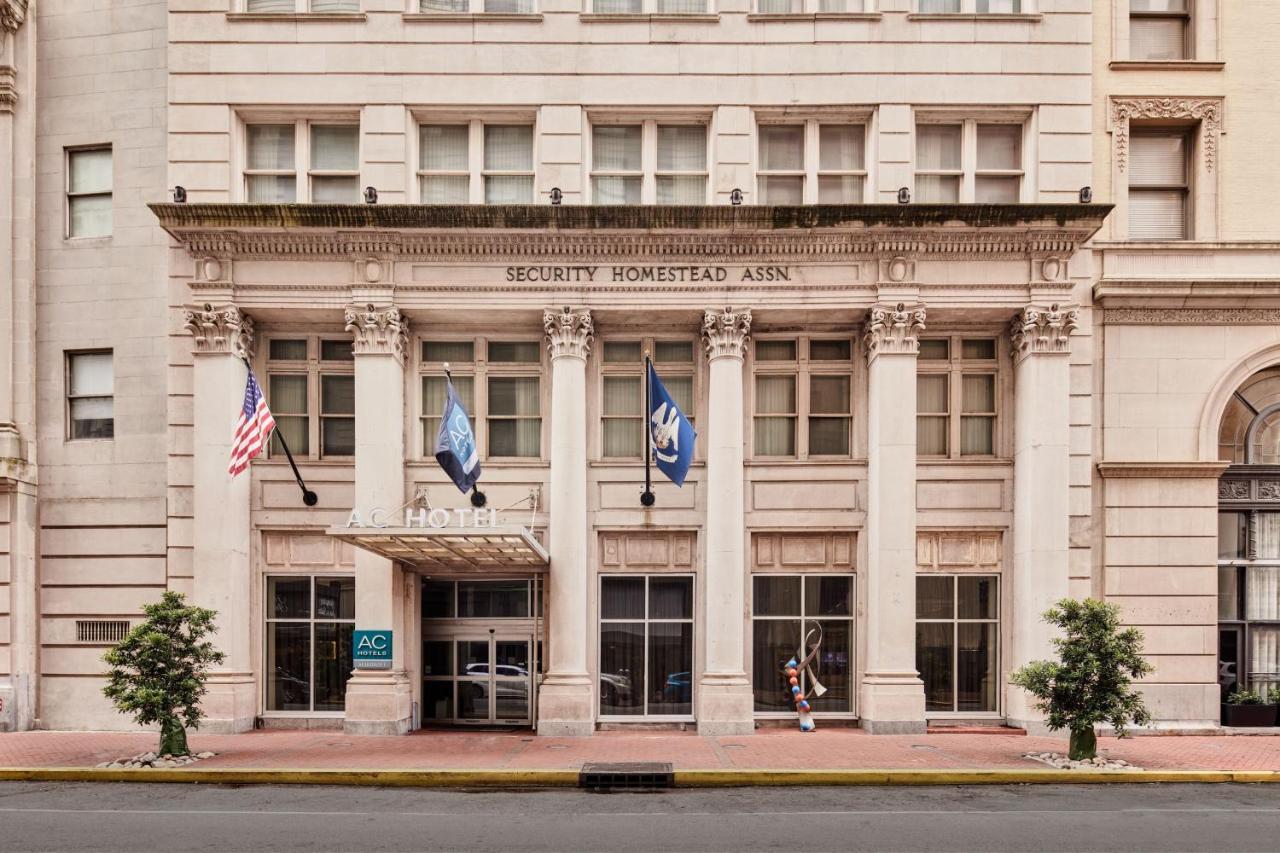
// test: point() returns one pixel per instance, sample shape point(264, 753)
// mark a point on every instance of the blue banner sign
point(371, 649)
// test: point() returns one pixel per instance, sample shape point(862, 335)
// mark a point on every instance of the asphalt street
point(153, 817)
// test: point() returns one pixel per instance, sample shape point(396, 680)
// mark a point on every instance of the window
point(812, 162)
point(648, 163)
point(957, 642)
point(968, 161)
point(956, 397)
point(646, 645)
point(1248, 600)
point(310, 620)
point(1159, 30)
point(784, 609)
point(302, 161)
point(89, 192)
point(652, 7)
point(1159, 185)
point(90, 404)
point(801, 7)
point(301, 6)
point(504, 7)
point(622, 414)
point(475, 163)
point(803, 397)
point(972, 7)
point(307, 375)
point(499, 383)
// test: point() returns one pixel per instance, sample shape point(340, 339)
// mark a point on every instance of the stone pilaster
point(223, 338)
point(725, 705)
point(565, 701)
point(1041, 339)
point(892, 694)
point(379, 701)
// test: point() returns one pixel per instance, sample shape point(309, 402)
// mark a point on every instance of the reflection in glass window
point(310, 620)
point(957, 641)
point(786, 607)
point(646, 645)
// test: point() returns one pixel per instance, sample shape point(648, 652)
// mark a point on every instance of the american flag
point(253, 430)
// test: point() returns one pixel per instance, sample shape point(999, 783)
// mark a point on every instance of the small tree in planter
point(158, 670)
point(1091, 681)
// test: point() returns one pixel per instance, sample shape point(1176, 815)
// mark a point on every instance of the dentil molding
point(225, 329)
point(1039, 330)
point(726, 332)
point(569, 332)
point(1206, 111)
point(378, 331)
point(893, 330)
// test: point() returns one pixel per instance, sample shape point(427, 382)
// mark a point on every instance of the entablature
point(1218, 276)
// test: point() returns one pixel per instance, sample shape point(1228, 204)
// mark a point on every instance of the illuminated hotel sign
point(621, 274)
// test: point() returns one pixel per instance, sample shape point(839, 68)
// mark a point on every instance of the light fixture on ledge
point(556, 196)
point(904, 195)
point(1086, 195)
point(179, 195)
point(370, 195)
point(735, 197)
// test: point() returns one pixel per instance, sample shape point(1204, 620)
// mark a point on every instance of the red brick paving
point(769, 749)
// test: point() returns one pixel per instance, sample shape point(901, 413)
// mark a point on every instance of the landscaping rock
point(1061, 762)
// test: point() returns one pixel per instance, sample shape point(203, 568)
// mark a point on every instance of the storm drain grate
point(626, 776)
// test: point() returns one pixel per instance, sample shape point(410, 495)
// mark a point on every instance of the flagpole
point(308, 497)
point(478, 498)
point(647, 497)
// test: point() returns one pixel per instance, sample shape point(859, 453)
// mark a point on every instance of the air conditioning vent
point(101, 630)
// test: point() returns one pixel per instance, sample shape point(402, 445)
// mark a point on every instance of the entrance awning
point(453, 549)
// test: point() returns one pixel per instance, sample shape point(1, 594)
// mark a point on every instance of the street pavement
point(156, 817)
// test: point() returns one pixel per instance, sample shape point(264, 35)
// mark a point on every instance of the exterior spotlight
point(179, 195)
point(647, 498)
point(309, 497)
point(478, 498)
point(735, 197)
point(1086, 195)
point(556, 196)
point(370, 195)
point(904, 195)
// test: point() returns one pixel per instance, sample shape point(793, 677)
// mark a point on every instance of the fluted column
point(724, 691)
point(1041, 340)
point(892, 694)
point(565, 704)
point(379, 701)
point(223, 337)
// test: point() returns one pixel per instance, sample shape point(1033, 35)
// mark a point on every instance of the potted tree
point(1091, 682)
point(1250, 709)
point(158, 671)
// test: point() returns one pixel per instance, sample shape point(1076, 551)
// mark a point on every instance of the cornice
point(1161, 470)
point(1191, 316)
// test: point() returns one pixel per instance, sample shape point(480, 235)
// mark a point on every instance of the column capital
point(725, 333)
point(223, 329)
point(569, 332)
point(12, 14)
point(893, 330)
point(378, 331)
point(1036, 330)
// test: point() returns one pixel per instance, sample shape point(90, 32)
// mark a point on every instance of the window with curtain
point(784, 608)
point(956, 397)
point(802, 397)
point(1249, 600)
point(656, 7)
point(475, 162)
point(310, 387)
point(811, 162)
point(938, 163)
point(646, 645)
point(1159, 30)
point(508, 164)
point(456, 6)
point(335, 163)
point(301, 6)
point(326, 155)
point(89, 192)
point(972, 7)
point(957, 642)
point(90, 395)
point(648, 162)
point(622, 390)
point(616, 169)
point(968, 161)
point(1159, 184)
point(781, 172)
point(310, 622)
point(507, 417)
point(444, 173)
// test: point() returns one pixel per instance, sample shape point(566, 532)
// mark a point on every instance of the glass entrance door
point(484, 679)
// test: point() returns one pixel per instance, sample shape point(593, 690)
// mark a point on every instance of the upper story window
point(301, 6)
point(651, 7)
point(499, 7)
point(622, 413)
point(302, 161)
point(90, 395)
point(968, 161)
point(475, 163)
point(649, 163)
point(311, 389)
point(499, 383)
point(1159, 29)
point(89, 192)
point(1159, 183)
point(802, 7)
point(803, 397)
point(956, 397)
point(812, 162)
point(971, 7)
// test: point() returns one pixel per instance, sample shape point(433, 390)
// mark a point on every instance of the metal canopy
point(454, 549)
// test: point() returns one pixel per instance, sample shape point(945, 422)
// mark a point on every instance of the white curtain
point(442, 147)
point(998, 7)
point(510, 7)
point(775, 397)
point(1157, 172)
point(508, 148)
point(617, 7)
point(90, 171)
point(1157, 38)
point(606, 189)
point(91, 374)
point(335, 5)
point(931, 397)
point(615, 148)
point(681, 7)
point(443, 5)
point(780, 7)
point(623, 405)
point(782, 147)
point(445, 189)
point(270, 146)
point(1264, 669)
point(978, 396)
point(269, 6)
point(515, 428)
point(999, 149)
point(840, 147)
point(287, 399)
point(938, 149)
point(682, 148)
point(939, 6)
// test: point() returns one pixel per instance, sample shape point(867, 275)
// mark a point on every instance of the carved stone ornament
point(1191, 316)
point(1206, 111)
point(1268, 490)
point(12, 14)
point(894, 330)
point(1043, 330)
point(378, 331)
point(569, 332)
point(725, 333)
point(1233, 490)
point(220, 330)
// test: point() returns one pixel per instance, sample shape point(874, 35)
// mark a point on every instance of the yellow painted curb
point(379, 778)
point(1048, 776)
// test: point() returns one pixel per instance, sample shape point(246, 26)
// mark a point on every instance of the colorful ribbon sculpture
point(805, 663)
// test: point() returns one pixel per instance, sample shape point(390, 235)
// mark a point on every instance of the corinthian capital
point(1043, 330)
point(725, 332)
point(569, 332)
point(12, 14)
point(225, 329)
point(893, 330)
point(378, 331)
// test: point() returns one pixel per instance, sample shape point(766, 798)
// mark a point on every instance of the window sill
point(765, 17)
point(645, 18)
point(95, 240)
point(299, 17)
point(978, 461)
point(471, 17)
point(1165, 65)
point(1010, 17)
point(770, 461)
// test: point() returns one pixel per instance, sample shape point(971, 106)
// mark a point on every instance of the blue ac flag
point(671, 436)
point(456, 443)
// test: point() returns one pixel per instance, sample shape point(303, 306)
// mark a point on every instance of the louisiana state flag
point(671, 436)
point(456, 443)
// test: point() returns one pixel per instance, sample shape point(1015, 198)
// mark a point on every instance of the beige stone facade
point(929, 400)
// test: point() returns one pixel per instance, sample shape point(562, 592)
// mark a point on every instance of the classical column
point(223, 338)
point(724, 692)
point(379, 701)
point(1041, 340)
point(892, 695)
point(565, 705)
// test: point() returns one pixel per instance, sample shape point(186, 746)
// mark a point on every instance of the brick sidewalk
point(769, 749)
